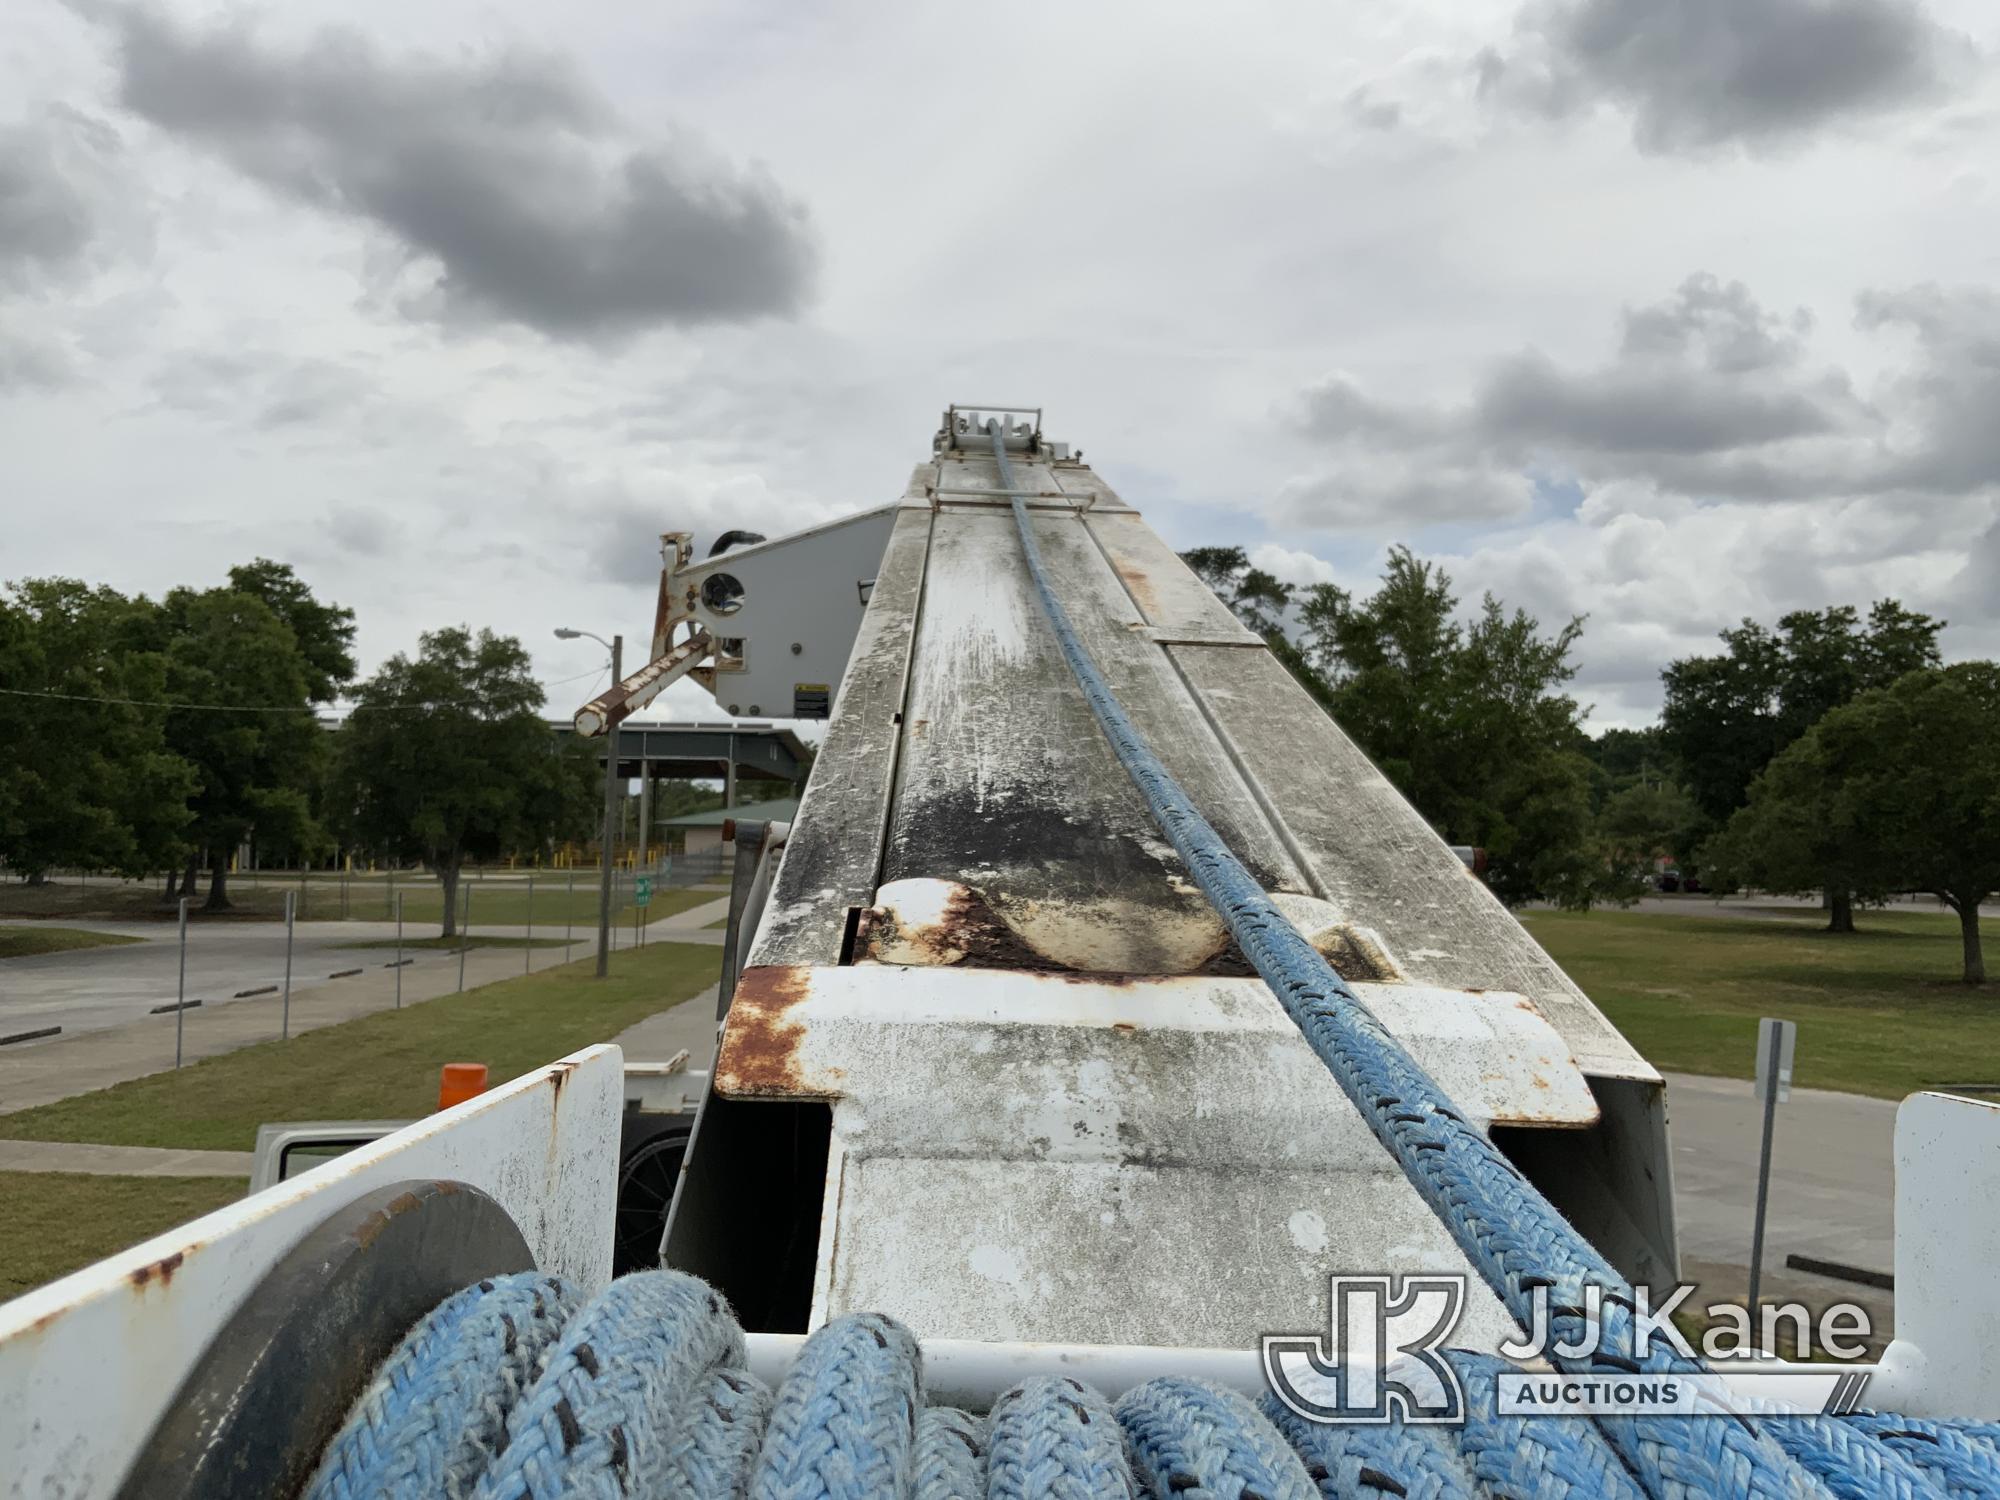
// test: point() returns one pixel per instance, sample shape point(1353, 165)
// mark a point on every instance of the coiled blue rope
point(1373, 1460)
point(1056, 1439)
point(951, 1455)
point(1199, 1442)
point(599, 1421)
point(641, 1393)
point(845, 1423)
point(1507, 1230)
point(436, 1413)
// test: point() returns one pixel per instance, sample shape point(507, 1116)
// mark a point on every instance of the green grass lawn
point(57, 1222)
point(381, 1067)
point(507, 904)
point(1879, 1011)
point(453, 944)
point(24, 942)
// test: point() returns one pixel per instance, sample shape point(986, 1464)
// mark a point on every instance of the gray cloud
point(1697, 74)
point(1641, 406)
point(510, 173)
point(62, 201)
point(1709, 396)
point(1950, 397)
point(30, 364)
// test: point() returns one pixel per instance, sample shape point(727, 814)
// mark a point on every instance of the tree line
point(1832, 754)
point(141, 735)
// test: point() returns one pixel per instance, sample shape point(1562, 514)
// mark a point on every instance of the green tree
point(1726, 716)
point(86, 778)
point(1467, 719)
point(446, 757)
point(244, 722)
point(1644, 819)
point(324, 633)
point(1898, 790)
point(1258, 599)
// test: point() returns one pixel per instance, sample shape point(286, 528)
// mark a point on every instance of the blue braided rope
point(1505, 1227)
point(436, 1412)
point(1374, 1460)
point(1056, 1439)
point(1853, 1463)
point(712, 1447)
point(951, 1455)
point(597, 1423)
point(1198, 1441)
point(1550, 1458)
point(1952, 1455)
point(845, 1423)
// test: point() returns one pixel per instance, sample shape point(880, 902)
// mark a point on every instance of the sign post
point(285, 1021)
point(642, 892)
point(1776, 1042)
point(181, 994)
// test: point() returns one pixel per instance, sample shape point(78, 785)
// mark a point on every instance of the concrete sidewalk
point(121, 1161)
point(41, 1072)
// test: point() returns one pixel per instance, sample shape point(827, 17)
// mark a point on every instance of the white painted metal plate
point(1945, 1360)
point(1099, 1252)
point(89, 1363)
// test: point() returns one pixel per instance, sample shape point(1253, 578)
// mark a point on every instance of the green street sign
point(642, 890)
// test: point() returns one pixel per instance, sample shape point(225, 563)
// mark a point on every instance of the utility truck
point(1100, 1035)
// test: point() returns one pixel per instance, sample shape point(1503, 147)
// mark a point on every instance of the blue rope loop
point(1056, 1439)
point(844, 1426)
point(601, 1416)
point(1505, 1227)
point(1197, 1441)
point(435, 1415)
point(1374, 1460)
point(951, 1455)
point(712, 1447)
point(1958, 1458)
point(1547, 1457)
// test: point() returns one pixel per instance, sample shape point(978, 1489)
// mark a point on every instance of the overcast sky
point(1666, 312)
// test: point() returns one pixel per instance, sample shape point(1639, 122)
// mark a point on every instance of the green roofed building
point(695, 832)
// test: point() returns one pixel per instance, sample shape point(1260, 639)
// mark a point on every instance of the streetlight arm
point(564, 633)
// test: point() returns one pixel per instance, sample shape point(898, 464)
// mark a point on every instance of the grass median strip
point(1879, 1011)
point(453, 944)
point(57, 1222)
point(380, 1067)
point(26, 942)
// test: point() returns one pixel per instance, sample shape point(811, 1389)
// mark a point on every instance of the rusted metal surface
point(911, 1039)
point(89, 1363)
point(610, 708)
point(941, 923)
point(758, 1054)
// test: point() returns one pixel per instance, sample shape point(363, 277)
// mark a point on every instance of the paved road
point(1832, 1189)
point(34, 1073)
point(1765, 908)
point(93, 988)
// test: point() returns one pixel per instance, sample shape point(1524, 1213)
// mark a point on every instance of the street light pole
point(617, 647)
point(610, 813)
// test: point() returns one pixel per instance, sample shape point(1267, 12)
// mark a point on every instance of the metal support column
point(645, 805)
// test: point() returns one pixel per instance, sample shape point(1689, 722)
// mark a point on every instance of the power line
point(264, 708)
